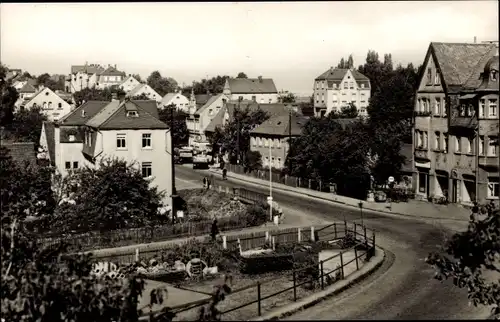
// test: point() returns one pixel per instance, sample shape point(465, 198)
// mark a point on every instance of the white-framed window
point(493, 187)
point(437, 78)
point(351, 85)
point(266, 142)
point(322, 85)
point(470, 145)
point(362, 86)
point(426, 140)
point(271, 143)
point(429, 75)
point(481, 145)
point(59, 106)
point(437, 141)
point(493, 75)
point(457, 144)
point(445, 142)
point(462, 109)
point(146, 169)
point(50, 105)
point(252, 141)
point(492, 148)
point(121, 141)
point(279, 162)
point(470, 110)
point(322, 97)
point(482, 106)
point(437, 107)
point(278, 143)
point(146, 141)
point(266, 161)
point(493, 108)
point(445, 113)
point(419, 138)
point(346, 85)
point(261, 142)
point(44, 105)
point(272, 162)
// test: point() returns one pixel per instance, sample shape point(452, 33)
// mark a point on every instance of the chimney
point(115, 66)
point(475, 39)
point(260, 79)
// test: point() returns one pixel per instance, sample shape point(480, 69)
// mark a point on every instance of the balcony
point(422, 154)
point(465, 119)
point(489, 161)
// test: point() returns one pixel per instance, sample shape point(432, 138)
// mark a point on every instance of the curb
point(344, 203)
point(332, 290)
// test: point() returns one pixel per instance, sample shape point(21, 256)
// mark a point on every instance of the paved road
point(403, 288)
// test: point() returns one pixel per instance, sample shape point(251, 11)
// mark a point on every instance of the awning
point(467, 96)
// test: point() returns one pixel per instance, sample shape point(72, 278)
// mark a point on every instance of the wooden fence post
point(274, 242)
point(300, 182)
point(299, 237)
point(137, 254)
point(373, 239)
point(356, 256)
point(294, 286)
point(341, 266)
point(322, 276)
point(258, 299)
point(224, 242)
point(335, 229)
point(355, 231)
point(239, 246)
point(312, 234)
point(366, 239)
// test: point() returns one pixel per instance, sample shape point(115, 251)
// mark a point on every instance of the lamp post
point(360, 204)
point(270, 184)
point(172, 162)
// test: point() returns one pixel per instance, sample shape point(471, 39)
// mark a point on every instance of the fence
point(123, 237)
point(363, 236)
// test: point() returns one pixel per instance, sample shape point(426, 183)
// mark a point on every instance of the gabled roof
point(27, 88)
point(217, 120)
point(169, 96)
point(202, 99)
point(135, 90)
point(280, 125)
point(476, 77)
point(112, 71)
point(252, 86)
point(208, 103)
point(51, 143)
point(457, 61)
point(75, 117)
point(88, 69)
point(114, 116)
point(127, 79)
point(338, 74)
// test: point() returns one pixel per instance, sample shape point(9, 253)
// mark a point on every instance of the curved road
point(403, 288)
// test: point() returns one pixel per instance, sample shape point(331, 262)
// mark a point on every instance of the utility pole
point(238, 133)
point(476, 134)
point(172, 161)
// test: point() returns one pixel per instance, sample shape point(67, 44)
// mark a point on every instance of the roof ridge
point(461, 43)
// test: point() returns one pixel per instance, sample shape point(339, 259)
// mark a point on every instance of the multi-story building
point(180, 101)
point(93, 76)
point(145, 90)
point(337, 88)
point(271, 138)
point(51, 104)
point(129, 84)
point(456, 88)
point(128, 130)
point(110, 77)
point(260, 90)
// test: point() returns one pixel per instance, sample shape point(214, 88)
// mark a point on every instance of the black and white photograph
point(249, 161)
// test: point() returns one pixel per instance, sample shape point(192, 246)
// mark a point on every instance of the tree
point(342, 64)
point(9, 98)
point(47, 81)
point(373, 69)
point(143, 96)
point(242, 75)
point(288, 99)
point(214, 86)
point(180, 132)
point(27, 75)
point(137, 77)
point(346, 63)
point(349, 111)
point(472, 259)
point(128, 201)
point(91, 94)
point(162, 85)
point(26, 125)
point(252, 161)
point(350, 62)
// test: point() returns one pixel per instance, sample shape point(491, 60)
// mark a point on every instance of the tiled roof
point(127, 79)
point(75, 117)
point(51, 143)
point(217, 120)
point(251, 85)
point(457, 61)
point(27, 88)
point(484, 64)
point(135, 90)
point(337, 74)
point(88, 69)
point(21, 151)
point(207, 104)
point(202, 99)
point(280, 125)
point(111, 71)
point(114, 116)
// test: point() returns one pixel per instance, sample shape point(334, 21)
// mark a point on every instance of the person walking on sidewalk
point(205, 182)
point(209, 182)
point(215, 230)
point(224, 174)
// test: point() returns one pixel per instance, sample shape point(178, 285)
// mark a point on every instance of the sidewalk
point(412, 208)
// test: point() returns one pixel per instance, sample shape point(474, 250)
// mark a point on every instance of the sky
point(291, 42)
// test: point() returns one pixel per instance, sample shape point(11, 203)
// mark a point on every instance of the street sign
point(391, 179)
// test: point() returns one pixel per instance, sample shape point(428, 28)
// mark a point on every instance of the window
point(445, 112)
point(67, 165)
point(457, 145)
point(279, 162)
point(317, 85)
point(493, 112)
point(210, 112)
point(278, 143)
point(272, 162)
point(132, 114)
point(351, 85)
point(146, 140)
point(437, 78)
point(470, 145)
point(240, 98)
point(46, 93)
point(270, 100)
point(492, 148)
point(75, 164)
point(346, 86)
point(429, 76)
point(362, 94)
point(445, 142)
point(470, 110)
point(147, 169)
point(426, 140)
point(437, 141)
point(322, 98)
point(481, 145)
point(252, 141)
point(59, 106)
point(422, 182)
point(266, 143)
point(254, 98)
point(462, 110)
point(493, 75)
point(322, 85)
point(44, 105)
point(271, 143)
point(260, 142)
point(266, 161)
point(419, 139)
point(362, 86)
point(482, 104)
point(437, 108)
point(493, 187)
point(121, 141)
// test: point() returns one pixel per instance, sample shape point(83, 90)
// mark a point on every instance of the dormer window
point(462, 110)
point(493, 75)
point(132, 114)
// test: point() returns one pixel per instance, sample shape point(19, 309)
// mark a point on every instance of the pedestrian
point(215, 229)
point(224, 174)
point(209, 182)
point(204, 182)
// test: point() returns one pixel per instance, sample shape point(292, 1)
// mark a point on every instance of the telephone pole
point(172, 161)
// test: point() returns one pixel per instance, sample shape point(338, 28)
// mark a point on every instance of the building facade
point(259, 90)
point(147, 91)
point(51, 104)
point(446, 154)
point(129, 84)
point(199, 120)
point(93, 76)
point(337, 88)
point(180, 101)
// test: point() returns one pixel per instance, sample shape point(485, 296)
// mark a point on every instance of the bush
point(348, 241)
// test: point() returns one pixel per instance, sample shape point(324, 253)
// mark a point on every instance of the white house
point(180, 101)
point(146, 90)
point(260, 90)
point(129, 130)
point(129, 84)
point(83, 76)
point(111, 76)
point(52, 105)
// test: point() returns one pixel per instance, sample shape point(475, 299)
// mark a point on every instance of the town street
point(403, 288)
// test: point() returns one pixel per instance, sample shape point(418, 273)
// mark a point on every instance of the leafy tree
point(91, 94)
point(9, 98)
point(342, 63)
point(180, 132)
point(252, 160)
point(46, 80)
point(288, 99)
point(472, 259)
point(217, 140)
point(244, 121)
point(27, 75)
point(143, 96)
point(162, 85)
point(242, 75)
point(374, 70)
point(346, 63)
point(350, 62)
point(349, 111)
point(26, 125)
point(137, 77)
point(112, 196)
point(214, 86)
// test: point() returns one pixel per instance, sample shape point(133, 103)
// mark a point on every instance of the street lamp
point(360, 204)
point(270, 184)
